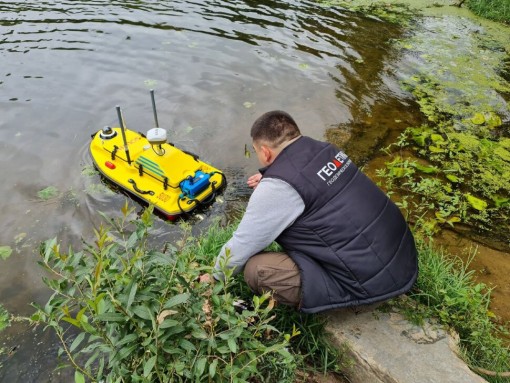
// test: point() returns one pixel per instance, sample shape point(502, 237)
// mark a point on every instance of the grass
point(498, 10)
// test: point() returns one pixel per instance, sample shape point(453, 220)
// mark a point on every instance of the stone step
point(386, 348)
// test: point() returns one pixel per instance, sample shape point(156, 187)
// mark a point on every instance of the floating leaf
point(5, 252)
point(47, 193)
point(453, 220)
point(303, 66)
point(435, 149)
point(501, 201)
point(398, 172)
point(478, 119)
point(425, 168)
point(477, 203)
point(449, 220)
point(493, 120)
point(452, 178)
point(419, 136)
point(247, 152)
point(248, 104)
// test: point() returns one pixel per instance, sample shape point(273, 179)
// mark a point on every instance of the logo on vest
point(334, 168)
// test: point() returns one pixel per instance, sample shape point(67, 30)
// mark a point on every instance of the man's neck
point(283, 145)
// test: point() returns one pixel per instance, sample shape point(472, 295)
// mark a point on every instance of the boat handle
point(132, 181)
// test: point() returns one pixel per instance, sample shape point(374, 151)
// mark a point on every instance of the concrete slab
point(386, 348)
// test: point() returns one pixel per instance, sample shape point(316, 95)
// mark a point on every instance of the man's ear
point(267, 153)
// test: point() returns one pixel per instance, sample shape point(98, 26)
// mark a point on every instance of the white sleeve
point(273, 206)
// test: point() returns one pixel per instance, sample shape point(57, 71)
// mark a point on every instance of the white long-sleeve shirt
point(273, 206)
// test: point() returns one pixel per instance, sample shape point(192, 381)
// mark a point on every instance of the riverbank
point(461, 87)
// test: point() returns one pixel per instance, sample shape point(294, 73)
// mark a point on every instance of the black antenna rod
point(123, 130)
point(154, 108)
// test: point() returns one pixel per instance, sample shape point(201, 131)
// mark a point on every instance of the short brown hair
point(274, 128)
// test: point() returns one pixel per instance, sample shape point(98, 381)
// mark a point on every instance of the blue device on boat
point(193, 186)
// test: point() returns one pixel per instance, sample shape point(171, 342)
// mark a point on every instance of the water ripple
point(247, 21)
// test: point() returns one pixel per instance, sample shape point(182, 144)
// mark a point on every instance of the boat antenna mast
point(156, 136)
point(123, 130)
point(154, 109)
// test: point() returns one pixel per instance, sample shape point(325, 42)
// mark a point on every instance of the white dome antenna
point(156, 136)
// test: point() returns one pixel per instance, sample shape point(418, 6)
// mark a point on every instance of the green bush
point(127, 313)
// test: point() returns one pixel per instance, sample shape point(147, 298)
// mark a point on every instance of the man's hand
point(254, 180)
point(206, 278)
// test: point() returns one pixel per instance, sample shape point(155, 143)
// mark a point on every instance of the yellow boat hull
point(154, 174)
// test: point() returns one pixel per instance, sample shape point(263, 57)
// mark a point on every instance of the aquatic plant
point(48, 193)
point(125, 311)
point(4, 318)
point(456, 168)
point(395, 13)
point(5, 252)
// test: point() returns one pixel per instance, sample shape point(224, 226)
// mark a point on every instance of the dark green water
point(215, 67)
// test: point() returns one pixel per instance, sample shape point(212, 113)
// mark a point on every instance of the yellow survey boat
point(173, 180)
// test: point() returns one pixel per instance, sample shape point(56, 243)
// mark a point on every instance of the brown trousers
point(277, 273)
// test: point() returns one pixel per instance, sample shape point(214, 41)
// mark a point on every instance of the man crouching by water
point(345, 243)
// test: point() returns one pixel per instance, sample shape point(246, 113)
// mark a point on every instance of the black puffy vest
point(351, 243)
